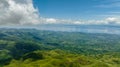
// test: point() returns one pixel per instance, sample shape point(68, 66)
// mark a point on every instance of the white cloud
point(113, 20)
point(17, 12)
point(51, 20)
point(106, 21)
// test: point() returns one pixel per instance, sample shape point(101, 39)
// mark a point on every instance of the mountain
point(109, 29)
point(25, 47)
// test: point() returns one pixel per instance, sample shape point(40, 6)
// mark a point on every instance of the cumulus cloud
point(51, 20)
point(18, 12)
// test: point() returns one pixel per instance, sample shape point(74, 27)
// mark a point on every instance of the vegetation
point(35, 48)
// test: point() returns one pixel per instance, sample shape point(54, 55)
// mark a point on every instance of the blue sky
point(36, 12)
point(78, 9)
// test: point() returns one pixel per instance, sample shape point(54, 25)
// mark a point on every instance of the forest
point(38, 48)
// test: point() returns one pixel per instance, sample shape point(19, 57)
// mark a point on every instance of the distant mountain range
point(109, 29)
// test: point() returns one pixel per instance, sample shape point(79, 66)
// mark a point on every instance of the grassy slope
point(58, 58)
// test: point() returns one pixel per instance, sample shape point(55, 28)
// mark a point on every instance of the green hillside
point(35, 48)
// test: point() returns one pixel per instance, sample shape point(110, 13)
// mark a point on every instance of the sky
point(36, 12)
point(78, 9)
